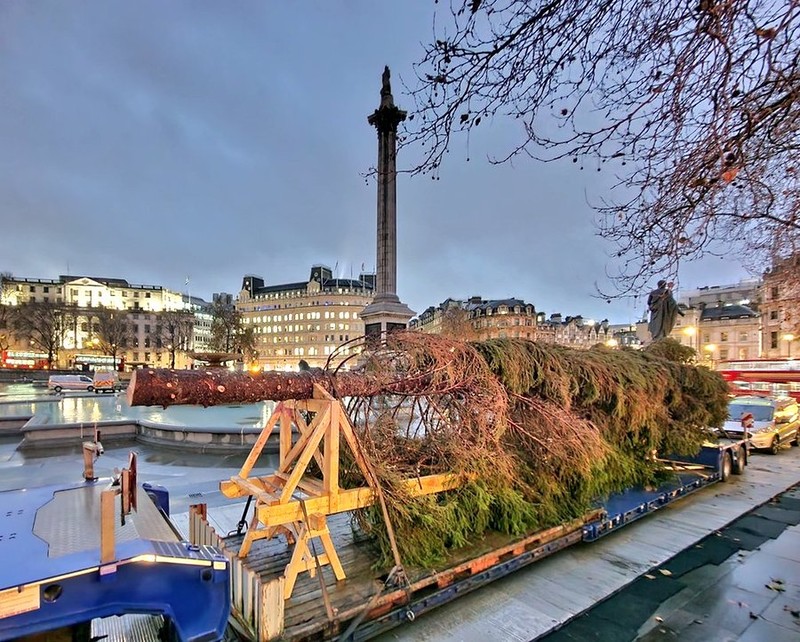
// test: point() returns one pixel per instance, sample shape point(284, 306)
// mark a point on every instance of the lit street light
point(710, 348)
point(691, 332)
point(789, 337)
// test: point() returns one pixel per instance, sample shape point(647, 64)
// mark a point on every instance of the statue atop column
point(386, 312)
point(387, 84)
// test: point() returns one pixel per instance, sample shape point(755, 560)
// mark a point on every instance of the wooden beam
point(300, 446)
point(304, 459)
point(285, 444)
point(107, 526)
point(348, 500)
point(271, 610)
point(330, 469)
point(255, 451)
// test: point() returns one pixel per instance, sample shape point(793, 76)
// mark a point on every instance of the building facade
point(575, 331)
point(716, 333)
point(314, 320)
point(83, 299)
point(478, 319)
point(780, 310)
point(748, 293)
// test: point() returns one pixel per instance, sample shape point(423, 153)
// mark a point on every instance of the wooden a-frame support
point(292, 502)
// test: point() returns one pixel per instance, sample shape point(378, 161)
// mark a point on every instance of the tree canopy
point(693, 107)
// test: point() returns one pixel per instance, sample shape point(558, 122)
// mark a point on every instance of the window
point(742, 337)
point(45, 289)
point(723, 353)
point(773, 315)
point(773, 340)
point(774, 292)
point(723, 336)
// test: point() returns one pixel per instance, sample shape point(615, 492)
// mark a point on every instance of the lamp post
point(710, 348)
point(691, 332)
point(789, 337)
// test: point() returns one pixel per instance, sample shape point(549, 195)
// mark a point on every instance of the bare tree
point(43, 325)
point(246, 344)
point(6, 311)
point(226, 326)
point(113, 328)
point(176, 332)
point(694, 107)
point(457, 324)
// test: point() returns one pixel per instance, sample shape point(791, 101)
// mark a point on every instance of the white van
point(57, 383)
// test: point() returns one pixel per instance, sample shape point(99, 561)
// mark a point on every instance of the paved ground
point(740, 583)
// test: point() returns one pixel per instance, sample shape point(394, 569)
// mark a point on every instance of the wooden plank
point(330, 470)
point(255, 451)
point(240, 487)
point(311, 485)
point(305, 457)
point(302, 442)
point(271, 610)
point(107, 523)
point(285, 444)
point(304, 428)
point(351, 499)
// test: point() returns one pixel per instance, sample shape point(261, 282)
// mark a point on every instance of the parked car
point(771, 422)
point(57, 383)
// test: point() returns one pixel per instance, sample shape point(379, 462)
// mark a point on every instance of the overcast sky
point(155, 140)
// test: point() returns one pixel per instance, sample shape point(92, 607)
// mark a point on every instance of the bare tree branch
point(693, 106)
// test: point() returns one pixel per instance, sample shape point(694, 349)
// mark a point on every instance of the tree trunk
point(211, 387)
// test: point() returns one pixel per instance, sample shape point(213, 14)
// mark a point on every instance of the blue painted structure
point(709, 467)
point(51, 577)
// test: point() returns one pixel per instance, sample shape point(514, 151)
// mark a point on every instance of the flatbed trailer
point(363, 606)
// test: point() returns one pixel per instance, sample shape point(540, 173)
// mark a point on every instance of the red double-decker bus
point(775, 377)
point(22, 359)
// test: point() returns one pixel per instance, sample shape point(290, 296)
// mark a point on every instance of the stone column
point(386, 312)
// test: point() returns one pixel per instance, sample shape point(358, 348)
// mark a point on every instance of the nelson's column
point(386, 312)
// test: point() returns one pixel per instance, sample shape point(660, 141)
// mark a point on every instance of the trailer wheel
point(727, 466)
point(57, 389)
point(775, 446)
point(740, 462)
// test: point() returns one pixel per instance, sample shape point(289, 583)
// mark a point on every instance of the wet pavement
point(741, 583)
point(190, 477)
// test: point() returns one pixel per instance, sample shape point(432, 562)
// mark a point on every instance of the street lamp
point(789, 337)
point(710, 348)
point(612, 343)
point(691, 333)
